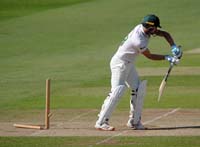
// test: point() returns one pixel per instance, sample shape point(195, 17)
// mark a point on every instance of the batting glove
point(176, 51)
point(172, 59)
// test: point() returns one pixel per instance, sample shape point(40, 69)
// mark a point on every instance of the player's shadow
point(174, 128)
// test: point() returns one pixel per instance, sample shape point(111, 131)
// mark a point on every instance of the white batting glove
point(171, 59)
point(176, 51)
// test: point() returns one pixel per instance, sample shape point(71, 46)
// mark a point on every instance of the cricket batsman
point(124, 74)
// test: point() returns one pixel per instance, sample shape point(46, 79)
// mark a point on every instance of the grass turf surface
point(72, 44)
point(63, 44)
point(91, 141)
point(15, 8)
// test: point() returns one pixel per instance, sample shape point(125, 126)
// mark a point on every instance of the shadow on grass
point(174, 128)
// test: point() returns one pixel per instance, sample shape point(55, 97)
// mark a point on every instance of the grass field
point(72, 41)
point(120, 141)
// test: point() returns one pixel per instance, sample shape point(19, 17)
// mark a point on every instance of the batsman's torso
point(135, 43)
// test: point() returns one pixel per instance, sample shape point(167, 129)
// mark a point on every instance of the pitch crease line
point(76, 117)
point(147, 122)
point(60, 124)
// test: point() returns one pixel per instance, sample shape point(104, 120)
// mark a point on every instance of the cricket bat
point(164, 81)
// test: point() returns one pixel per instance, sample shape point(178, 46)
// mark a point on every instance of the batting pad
point(110, 103)
point(139, 102)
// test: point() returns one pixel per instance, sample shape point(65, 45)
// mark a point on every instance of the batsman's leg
point(104, 103)
point(119, 71)
point(133, 102)
point(139, 105)
point(136, 101)
point(108, 107)
point(133, 82)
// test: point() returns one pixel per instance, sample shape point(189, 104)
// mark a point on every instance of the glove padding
point(176, 51)
point(171, 59)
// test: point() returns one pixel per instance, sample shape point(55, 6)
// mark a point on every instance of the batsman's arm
point(151, 56)
point(166, 35)
point(176, 50)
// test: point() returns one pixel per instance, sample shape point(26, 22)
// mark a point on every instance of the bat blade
point(161, 89)
point(164, 81)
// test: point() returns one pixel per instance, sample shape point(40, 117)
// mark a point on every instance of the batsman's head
point(151, 20)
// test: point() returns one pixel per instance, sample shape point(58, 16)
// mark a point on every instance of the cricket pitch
point(76, 122)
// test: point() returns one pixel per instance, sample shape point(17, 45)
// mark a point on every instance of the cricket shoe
point(138, 126)
point(104, 127)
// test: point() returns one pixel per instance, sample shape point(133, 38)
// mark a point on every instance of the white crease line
point(60, 124)
point(147, 122)
point(78, 116)
point(160, 117)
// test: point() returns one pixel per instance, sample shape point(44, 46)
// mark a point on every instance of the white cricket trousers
point(123, 74)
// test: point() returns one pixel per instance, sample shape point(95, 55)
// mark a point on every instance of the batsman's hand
point(171, 59)
point(176, 51)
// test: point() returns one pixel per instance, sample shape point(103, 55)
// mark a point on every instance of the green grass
point(64, 95)
point(91, 141)
point(15, 8)
point(73, 45)
point(72, 41)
